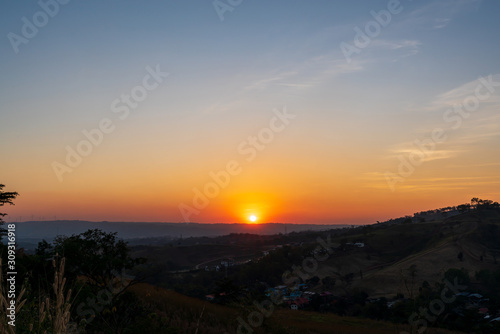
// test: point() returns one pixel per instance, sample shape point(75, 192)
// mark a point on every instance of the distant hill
point(30, 232)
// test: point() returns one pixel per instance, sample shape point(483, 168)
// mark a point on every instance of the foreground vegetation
point(94, 283)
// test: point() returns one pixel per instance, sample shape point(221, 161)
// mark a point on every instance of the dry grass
point(4, 304)
point(186, 314)
point(439, 242)
point(295, 322)
point(190, 315)
point(57, 310)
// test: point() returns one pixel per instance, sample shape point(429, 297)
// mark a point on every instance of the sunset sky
point(292, 111)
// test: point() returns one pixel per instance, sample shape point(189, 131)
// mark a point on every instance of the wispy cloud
point(481, 125)
point(480, 135)
point(395, 45)
point(376, 180)
point(398, 48)
point(409, 148)
point(439, 14)
point(326, 67)
point(300, 76)
point(224, 107)
point(441, 22)
point(308, 74)
point(457, 95)
point(480, 165)
point(277, 78)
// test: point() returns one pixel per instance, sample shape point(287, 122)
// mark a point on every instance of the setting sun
point(252, 218)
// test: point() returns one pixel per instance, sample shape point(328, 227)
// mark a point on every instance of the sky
point(325, 112)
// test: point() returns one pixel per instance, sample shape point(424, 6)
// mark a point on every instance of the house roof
point(300, 301)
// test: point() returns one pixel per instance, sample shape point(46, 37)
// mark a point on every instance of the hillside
point(432, 248)
point(379, 278)
point(366, 270)
point(380, 267)
point(189, 315)
point(389, 250)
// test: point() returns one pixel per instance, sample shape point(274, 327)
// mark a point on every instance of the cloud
point(376, 180)
point(479, 165)
point(326, 67)
point(308, 74)
point(405, 48)
point(440, 23)
point(222, 107)
point(410, 148)
point(270, 80)
point(439, 14)
point(395, 45)
point(457, 95)
point(299, 76)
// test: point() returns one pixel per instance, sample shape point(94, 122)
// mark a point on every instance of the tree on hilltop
point(5, 198)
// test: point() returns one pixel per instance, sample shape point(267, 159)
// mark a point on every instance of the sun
point(252, 218)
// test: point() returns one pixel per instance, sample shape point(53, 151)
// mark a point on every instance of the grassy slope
point(389, 251)
point(431, 247)
point(185, 313)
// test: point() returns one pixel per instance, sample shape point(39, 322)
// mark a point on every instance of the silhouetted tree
point(312, 282)
point(328, 282)
point(347, 281)
point(460, 274)
point(409, 280)
point(463, 208)
point(228, 291)
point(98, 256)
point(5, 198)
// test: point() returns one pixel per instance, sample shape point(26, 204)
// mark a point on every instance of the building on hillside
point(326, 297)
point(227, 263)
point(281, 290)
point(308, 294)
point(298, 303)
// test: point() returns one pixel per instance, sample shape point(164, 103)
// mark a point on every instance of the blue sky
point(225, 77)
